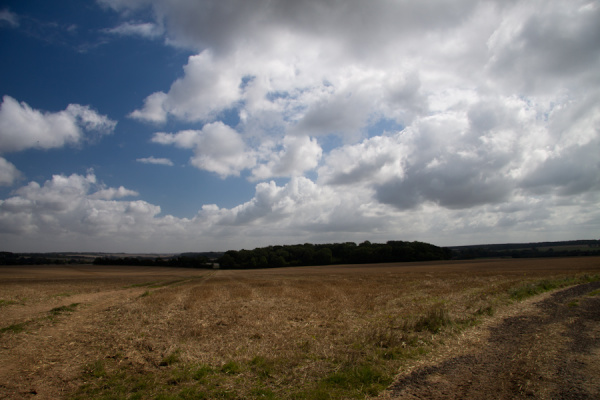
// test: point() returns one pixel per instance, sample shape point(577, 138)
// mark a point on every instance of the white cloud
point(77, 213)
point(8, 173)
point(90, 120)
point(217, 148)
point(154, 108)
point(154, 160)
point(112, 193)
point(144, 29)
point(22, 127)
point(502, 109)
point(312, 71)
point(305, 61)
point(374, 160)
point(209, 87)
point(491, 153)
point(299, 209)
point(72, 208)
point(220, 149)
point(297, 155)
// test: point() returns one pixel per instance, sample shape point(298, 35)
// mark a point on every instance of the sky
point(208, 125)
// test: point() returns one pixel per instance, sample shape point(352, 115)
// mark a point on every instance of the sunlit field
point(299, 333)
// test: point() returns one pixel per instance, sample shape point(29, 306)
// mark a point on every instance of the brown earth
point(547, 349)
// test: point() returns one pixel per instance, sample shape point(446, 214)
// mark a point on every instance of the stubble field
point(80, 332)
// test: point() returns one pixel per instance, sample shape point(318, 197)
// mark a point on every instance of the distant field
point(301, 333)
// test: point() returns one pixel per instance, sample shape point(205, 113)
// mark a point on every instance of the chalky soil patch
point(552, 351)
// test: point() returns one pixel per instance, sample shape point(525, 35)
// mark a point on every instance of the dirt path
point(550, 349)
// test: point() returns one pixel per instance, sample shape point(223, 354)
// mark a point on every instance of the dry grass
point(298, 333)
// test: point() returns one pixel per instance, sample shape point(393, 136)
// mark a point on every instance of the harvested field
point(300, 333)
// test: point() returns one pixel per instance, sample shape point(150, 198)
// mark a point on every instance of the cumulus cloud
point(497, 101)
point(22, 127)
point(485, 155)
point(299, 208)
point(297, 155)
point(209, 87)
point(154, 109)
point(304, 60)
point(217, 148)
point(112, 193)
point(371, 161)
point(77, 212)
point(154, 160)
point(73, 207)
point(220, 149)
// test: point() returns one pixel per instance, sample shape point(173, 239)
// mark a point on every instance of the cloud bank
point(78, 212)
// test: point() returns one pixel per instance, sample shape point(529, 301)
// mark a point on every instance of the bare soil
point(547, 349)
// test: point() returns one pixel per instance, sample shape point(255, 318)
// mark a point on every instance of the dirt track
point(551, 351)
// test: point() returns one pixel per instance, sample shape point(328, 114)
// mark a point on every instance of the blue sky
point(63, 55)
point(167, 126)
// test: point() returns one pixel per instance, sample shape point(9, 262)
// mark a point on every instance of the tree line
point(332, 253)
point(9, 258)
point(320, 254)
point(571, 248)
point(181, 261)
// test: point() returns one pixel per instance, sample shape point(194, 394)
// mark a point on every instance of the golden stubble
point(305, 323)
point(304, 314)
